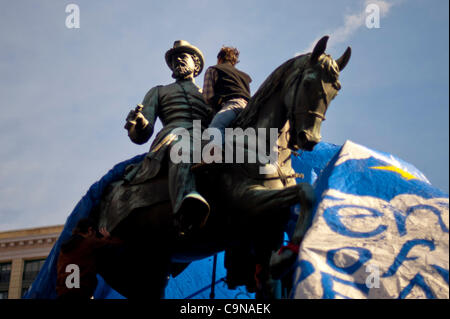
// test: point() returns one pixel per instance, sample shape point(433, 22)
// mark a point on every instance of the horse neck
point(272, 114)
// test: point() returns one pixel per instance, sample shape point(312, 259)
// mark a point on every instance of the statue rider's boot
point(192, 215)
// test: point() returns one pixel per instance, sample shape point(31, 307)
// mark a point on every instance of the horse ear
point(343, 60)
point(319, 49)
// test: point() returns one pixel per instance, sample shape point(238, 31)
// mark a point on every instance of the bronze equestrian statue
point(235, 207)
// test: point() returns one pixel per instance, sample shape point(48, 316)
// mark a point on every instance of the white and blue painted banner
point(380, 230)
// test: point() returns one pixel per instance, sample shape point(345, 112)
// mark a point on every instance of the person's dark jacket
point(231, 83)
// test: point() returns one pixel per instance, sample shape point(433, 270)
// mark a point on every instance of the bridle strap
point(316, 114)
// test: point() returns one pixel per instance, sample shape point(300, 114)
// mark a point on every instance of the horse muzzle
point(307, 141)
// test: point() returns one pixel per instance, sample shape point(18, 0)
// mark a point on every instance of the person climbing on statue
point(177, 105)
point(226, 89)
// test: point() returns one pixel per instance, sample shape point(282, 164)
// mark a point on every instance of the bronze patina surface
point(248, 210)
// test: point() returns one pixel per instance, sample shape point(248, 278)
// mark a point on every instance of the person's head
point(185, 60)
point(228, 54)
point(85, 227)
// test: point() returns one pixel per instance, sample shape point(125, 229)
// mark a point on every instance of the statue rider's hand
point(136, 118)
point(131, 116)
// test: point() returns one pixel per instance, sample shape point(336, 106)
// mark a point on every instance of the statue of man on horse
point(231, 207)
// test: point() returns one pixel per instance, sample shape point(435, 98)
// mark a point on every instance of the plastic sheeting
point(44, 285)
point(193, 283)
point(380, 230)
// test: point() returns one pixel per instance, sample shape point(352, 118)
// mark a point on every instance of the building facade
point(22, 254)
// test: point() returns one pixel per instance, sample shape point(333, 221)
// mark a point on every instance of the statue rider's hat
point(184, 46)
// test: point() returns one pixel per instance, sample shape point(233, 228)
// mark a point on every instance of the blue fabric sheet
point(380, 230)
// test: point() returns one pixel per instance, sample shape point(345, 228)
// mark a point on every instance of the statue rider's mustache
point(182, 68)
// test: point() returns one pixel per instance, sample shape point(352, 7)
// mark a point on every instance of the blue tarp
point(44, 285)
point(350, 232)
point(380, 230)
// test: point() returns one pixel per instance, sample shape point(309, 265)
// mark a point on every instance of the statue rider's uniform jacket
point(177, 105)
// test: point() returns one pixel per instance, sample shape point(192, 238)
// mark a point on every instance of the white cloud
point(352, 23)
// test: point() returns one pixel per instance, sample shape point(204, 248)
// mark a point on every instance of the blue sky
point(65, 93)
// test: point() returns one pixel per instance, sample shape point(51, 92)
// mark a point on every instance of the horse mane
point(273, 83)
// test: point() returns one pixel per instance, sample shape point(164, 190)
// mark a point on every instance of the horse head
point(308, 90)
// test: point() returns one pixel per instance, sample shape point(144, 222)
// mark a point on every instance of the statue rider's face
point(183, 65)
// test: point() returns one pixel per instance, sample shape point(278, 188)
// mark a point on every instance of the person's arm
point(208, 85)
point(141, 132)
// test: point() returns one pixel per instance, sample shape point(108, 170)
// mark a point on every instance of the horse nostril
point(309, 146)
point(302, 138)
point(307, 141)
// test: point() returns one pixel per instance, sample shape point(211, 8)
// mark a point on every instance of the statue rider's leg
point(190, 208)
